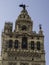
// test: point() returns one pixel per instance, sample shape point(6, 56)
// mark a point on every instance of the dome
point(24, 16)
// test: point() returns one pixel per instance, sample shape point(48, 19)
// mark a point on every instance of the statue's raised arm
point(23, 6)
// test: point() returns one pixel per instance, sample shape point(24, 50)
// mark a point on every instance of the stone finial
point(40, 29)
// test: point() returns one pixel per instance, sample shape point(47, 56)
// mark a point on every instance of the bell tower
point(24, 22)
point(22, 46)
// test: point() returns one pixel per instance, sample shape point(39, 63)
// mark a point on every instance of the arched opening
point(24, 43)
point(38, 45)
point(32, 45)
point(24, 27)
point(16, 44)
point(10, 44)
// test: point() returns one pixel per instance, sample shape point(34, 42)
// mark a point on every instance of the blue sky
point(38, 11)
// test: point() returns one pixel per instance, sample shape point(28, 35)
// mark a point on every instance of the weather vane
point(23, 6)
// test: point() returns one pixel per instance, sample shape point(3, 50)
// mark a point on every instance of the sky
point(38, 11)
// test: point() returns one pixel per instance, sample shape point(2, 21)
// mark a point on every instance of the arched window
point(32, 45)
point(16, 44)
point(38, 45)
point(24, 27)
point(10, 43)
point(24, 43)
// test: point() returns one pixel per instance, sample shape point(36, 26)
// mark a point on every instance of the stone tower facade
point(23, 46)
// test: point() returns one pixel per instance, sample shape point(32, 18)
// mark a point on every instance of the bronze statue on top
point(23, 6)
